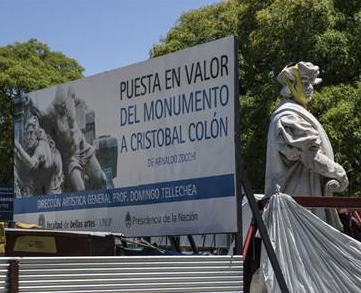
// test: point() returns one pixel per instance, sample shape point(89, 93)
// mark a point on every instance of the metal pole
point(193, 243)
point(13, 276)
point(263, 231)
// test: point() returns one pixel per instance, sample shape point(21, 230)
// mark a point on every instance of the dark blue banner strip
point(173, 191)
point(6, 202)
point(6, 188)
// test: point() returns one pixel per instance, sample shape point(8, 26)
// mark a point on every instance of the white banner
point(145, 150)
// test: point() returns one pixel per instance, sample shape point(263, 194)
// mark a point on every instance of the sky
point(101, 35)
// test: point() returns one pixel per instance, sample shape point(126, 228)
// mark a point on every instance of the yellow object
point(45, 244)
point(26, 226)
point(2, 238)
point(298, 94)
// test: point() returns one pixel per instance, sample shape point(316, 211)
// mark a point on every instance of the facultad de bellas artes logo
point(128, 220)
point(41, 221)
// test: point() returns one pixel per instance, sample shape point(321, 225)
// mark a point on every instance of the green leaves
point(200, 26)
point(339, 112)
point(6, 130)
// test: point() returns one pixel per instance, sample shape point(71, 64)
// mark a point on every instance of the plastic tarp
point(314, 257)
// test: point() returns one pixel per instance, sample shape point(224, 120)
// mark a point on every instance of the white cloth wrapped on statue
point(314, 257)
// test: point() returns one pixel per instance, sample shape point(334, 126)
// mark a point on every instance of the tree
point(26, 67)
point(200, 26)
point(6, 130)
point(339, 111)
point(271, 34)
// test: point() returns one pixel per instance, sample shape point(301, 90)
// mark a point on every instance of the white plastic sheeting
point(314, 257)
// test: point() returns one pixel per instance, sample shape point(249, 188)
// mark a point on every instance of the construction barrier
point(166, 274)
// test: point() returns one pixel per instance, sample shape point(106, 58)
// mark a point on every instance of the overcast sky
point(100, 34)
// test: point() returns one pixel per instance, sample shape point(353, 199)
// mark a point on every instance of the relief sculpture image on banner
point(55, 149)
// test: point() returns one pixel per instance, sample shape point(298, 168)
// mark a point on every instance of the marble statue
point(40, 160)
point(300, 159)
point(81, 167)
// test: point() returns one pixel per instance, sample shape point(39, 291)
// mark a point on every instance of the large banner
point(144, 150)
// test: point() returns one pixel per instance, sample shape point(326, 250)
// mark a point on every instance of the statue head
point(32, 133)
point(64, 101)
point(297, 81)
point(60, 95)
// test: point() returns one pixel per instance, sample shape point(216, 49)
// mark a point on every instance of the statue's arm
point(300, 141)
point(30, 161)
point(330, 169)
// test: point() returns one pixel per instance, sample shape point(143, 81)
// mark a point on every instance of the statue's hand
point(341, 178)
point(343, 182)
point(18, 148)
point(334, 185)
point(21, 154)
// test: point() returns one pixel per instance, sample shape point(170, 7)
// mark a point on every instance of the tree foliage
point(271, 34)
point(199, 26)
point(26, 67)
point(339, 109)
